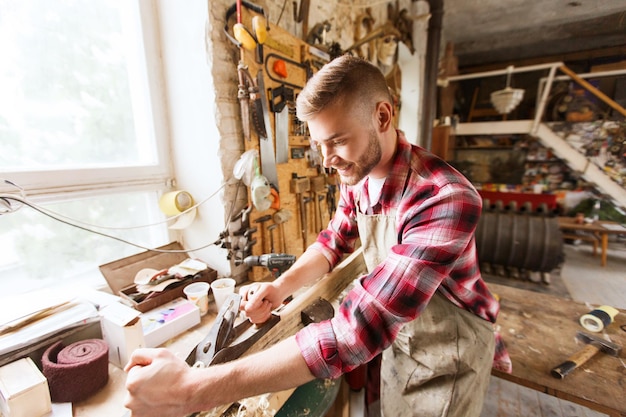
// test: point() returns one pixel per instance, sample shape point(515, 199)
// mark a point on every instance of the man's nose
point(327, 156)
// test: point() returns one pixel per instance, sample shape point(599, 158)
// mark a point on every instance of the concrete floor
point(585, 281)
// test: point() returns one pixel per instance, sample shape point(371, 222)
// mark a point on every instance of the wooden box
point(120, 276)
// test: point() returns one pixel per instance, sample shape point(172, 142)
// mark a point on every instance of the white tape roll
point(175, 202)
point(596, 320)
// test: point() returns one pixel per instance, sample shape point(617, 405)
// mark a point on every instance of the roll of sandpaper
point(597, 319)
point(77, 371)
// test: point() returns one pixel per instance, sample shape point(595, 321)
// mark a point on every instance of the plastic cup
point(198, 292)
point(222, 288)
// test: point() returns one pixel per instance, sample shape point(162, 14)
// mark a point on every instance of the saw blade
point(282, 135)
point(268, 158)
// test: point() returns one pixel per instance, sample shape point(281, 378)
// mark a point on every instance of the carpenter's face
point(348, 144)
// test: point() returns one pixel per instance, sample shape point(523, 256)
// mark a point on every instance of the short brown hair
point(347, 79)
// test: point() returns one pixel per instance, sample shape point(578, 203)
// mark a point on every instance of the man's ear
point(384, 114)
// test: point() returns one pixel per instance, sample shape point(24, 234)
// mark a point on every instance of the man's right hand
point(258, 300)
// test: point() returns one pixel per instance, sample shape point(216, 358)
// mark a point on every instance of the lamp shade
point(506, 100)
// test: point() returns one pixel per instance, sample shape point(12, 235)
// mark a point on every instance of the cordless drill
point(276, 263)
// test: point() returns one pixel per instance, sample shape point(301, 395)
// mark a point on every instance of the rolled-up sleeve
point(336, 346)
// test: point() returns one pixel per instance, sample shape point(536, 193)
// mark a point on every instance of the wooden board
point(329, 288)
point(539, 331)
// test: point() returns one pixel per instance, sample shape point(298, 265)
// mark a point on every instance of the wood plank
point(539, 331)
point(329, 288)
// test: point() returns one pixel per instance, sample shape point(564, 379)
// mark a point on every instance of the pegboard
point(305, 194)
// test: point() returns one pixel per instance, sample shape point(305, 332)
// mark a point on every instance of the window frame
point(61, 184)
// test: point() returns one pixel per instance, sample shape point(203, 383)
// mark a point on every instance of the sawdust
point(249, 407)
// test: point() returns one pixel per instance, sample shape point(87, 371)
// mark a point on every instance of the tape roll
point(596, 320)
point(77, 371)
point(175, 202)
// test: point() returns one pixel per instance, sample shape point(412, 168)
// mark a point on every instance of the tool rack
point(306, 194)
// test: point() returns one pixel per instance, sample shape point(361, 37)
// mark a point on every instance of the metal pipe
point(502, 72)
point(429, 98)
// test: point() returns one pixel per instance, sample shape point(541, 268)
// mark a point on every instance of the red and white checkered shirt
point(437, 211)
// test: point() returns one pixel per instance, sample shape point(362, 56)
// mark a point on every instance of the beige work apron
point(440, 363)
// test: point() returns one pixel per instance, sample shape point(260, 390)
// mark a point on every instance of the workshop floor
point(584, 280)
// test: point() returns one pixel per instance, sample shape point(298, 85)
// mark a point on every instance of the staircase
point(577, 161)
point(611, 184)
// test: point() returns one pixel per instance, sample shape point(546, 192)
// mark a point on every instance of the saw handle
point(574, 361)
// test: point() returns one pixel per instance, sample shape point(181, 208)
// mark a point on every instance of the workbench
point(109, 401)
point(601, 229)
point(539, 331)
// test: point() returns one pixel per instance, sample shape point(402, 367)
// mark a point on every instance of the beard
point(366, 162)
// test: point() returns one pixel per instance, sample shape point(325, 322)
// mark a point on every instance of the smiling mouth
point(344, 168)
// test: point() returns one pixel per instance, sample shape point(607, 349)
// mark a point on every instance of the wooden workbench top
point(539, 331)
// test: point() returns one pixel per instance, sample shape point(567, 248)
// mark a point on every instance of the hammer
point(594, 345)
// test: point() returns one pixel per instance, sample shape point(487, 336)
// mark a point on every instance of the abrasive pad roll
point(76, 371)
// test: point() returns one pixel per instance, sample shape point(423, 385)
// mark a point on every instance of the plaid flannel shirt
point(437, 211)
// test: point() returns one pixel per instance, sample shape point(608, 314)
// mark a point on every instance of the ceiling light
point(506, 100)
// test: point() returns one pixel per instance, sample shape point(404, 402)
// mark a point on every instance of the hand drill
point(276, 263)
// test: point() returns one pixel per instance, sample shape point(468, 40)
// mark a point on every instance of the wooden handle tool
point(593, 345)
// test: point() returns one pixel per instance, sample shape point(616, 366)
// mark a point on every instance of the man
point(423, 302)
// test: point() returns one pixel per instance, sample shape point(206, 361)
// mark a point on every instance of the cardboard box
point(23, 390)
point(122, 330)
point(169, 320)
point(120, 276)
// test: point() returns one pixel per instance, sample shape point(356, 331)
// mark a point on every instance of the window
point(82, 131)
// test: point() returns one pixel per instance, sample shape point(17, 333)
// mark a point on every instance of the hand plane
point(227, 340)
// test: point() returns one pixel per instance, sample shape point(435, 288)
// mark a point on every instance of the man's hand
point(258, 300)
point(157, 384)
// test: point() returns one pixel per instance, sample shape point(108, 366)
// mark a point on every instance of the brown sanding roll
point(77, 371)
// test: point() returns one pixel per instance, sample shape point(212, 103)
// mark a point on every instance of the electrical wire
point(168, 220)
point(77, 224)
point(281, 12)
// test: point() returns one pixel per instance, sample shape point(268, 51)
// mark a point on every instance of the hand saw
point(268, 158)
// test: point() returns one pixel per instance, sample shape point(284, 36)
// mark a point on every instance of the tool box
point(120, 276)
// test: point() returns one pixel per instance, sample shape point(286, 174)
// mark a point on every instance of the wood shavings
point(250, 407)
